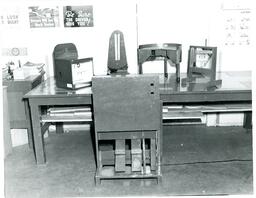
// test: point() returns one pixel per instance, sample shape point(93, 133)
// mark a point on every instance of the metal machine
point(202, 67)
point(69, 71)
point(128, 126)
point(170, 52)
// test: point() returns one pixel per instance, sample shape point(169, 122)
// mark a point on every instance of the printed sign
point(78, 16)
point(10, 16)
point(43, 17)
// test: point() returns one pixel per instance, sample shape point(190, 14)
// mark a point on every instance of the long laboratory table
point(235, 88)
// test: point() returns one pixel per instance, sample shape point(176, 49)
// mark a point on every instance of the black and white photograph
point(131, 98)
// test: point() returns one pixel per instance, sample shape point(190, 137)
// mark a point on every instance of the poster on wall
point(237, 17)
point(40, 17)
point(78, 16)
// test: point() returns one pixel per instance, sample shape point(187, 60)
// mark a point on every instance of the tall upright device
point(117, 62)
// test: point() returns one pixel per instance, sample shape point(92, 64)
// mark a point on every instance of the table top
point(231, 81)
point(239, 81)
point(48, 88)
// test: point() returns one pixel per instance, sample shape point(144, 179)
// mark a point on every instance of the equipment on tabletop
point(202, 67)
point(170, 52)
point(69, 71)
point(117, 62)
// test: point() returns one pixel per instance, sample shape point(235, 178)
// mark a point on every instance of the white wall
point(232, 57)
point(190, 23)
point(162, 21)
point(184, 22)
point(90, 41)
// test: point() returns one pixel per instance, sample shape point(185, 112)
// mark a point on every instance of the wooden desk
point(236, 88)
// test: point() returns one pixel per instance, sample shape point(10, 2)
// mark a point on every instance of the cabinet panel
point(16, 89)
point(125, 105)
point(16, 106)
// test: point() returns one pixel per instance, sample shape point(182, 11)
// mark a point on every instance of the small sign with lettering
point(10, 16)
point(78, 16)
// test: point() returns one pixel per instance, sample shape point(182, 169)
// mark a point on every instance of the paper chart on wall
point(237, 25)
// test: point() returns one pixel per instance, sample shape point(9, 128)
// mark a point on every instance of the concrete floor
point(196, 161)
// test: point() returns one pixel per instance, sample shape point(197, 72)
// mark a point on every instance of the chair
point(128, 122)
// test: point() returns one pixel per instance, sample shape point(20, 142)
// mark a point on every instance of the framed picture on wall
point(43, 16)
point(78, 16)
